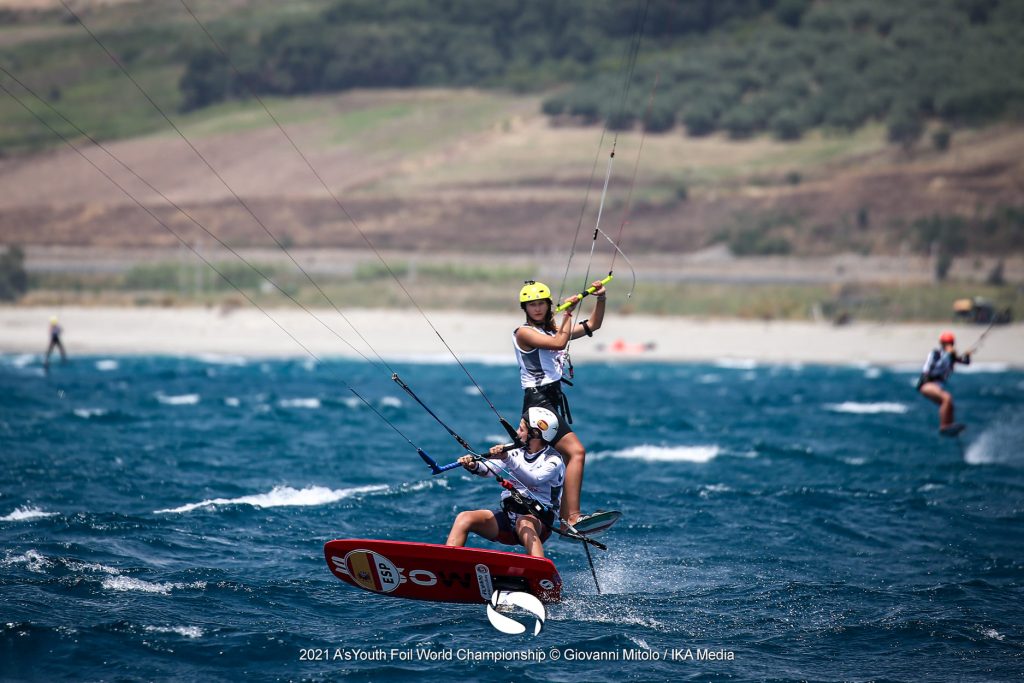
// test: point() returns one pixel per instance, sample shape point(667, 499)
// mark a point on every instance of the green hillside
point(741, 66)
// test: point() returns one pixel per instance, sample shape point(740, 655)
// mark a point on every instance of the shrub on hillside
point(13, 278)
point(660, 118)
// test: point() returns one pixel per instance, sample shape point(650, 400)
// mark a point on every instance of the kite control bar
point(582, 295)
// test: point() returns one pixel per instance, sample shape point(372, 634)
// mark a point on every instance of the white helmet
point(543, 420)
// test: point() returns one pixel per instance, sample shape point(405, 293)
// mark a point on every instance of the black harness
point(519, 504)
point(554, 395)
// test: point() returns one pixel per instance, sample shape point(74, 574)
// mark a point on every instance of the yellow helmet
point(534, 291)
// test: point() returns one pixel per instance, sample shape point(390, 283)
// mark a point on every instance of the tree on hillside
point(905, 127)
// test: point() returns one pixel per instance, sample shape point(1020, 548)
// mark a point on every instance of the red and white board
point(426, 571)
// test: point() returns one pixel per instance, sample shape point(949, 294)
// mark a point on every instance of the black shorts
point(507, 528)
point(550, 396)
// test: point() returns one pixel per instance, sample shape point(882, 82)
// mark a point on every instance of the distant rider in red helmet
point(935, 374)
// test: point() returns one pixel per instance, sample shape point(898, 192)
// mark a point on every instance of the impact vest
point(540, 366)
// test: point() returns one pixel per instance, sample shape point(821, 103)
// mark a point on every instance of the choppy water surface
point(164, 518)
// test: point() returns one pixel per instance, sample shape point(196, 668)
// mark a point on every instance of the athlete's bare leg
point(934, 393)
point(575, 457)
point(480, 522)
point(528, 530)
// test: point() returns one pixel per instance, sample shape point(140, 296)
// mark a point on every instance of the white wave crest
point(282, 496)
point(391, 402)
point(866, 408)
point(32, 559)
point(232, 401)
point(128, 584)
point(219, 359)
point(86, 413)
point(736, 363)
point(23, 360)
point(309, 403)
point(182, 400)
point(77, 566)
point(25, 513)
point(975, 368)
point(998, 444)
point(107, 365)
point(664, 453)
point(184, 631)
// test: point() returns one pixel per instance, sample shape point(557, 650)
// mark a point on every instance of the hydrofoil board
point(426, 571)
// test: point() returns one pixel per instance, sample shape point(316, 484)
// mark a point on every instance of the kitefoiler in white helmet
point(537, 474)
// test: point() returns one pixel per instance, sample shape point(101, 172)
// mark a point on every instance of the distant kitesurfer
point(55, 332)
point(538, 468)
point(540, 349)
point(934, 375)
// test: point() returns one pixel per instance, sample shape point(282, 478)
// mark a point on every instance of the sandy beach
point(406, 334)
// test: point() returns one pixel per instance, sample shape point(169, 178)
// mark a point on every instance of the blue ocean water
point(164, 518)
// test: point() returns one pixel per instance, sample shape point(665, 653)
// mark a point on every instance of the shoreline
point(475, 336)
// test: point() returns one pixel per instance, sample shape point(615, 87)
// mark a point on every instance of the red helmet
point(947, 338)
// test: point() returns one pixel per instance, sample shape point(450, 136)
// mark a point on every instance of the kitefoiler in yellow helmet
point(540, 347)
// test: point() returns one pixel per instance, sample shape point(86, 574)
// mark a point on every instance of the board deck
point(953, 429)
point(595, 524)
point(426, 571)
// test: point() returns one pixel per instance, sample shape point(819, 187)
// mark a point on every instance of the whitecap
point(184, 631)
point(975, 368)
point(736, 363)
point(992, 633)
point(181, 400)
point(998, 444)
point(352, 402)
point(866, 408)
point(281, 496)
point(128, 584)
point(26, 513)
point(232, 401)
point(77, 566)
point(32, 560)
point(649, 453)
point(391, 402)
point(86, 413)
point(472, 390)
point(107, 365)
point(310, 403)
point(707, 491)
point(872, 373)
point(709, 379)
point(222, 359)
point(23, 360)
